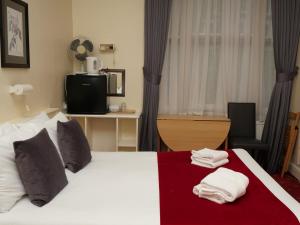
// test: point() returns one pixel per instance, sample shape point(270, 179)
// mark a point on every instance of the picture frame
point(115, 82)
point(14, 30)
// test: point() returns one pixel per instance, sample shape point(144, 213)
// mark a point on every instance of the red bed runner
point(178, 205)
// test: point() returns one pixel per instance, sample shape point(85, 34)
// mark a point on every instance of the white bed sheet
point(114, 189)
point(269, 182)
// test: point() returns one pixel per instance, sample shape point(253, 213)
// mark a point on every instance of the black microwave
point(86, 94)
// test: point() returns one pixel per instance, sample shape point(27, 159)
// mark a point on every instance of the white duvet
point(116, 188)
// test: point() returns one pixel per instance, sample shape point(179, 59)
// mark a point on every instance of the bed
point(119, 188)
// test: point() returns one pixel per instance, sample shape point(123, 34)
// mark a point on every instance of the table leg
point(226, 144)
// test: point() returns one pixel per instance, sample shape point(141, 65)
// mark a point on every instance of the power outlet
point(27, 107)
point(107, 48)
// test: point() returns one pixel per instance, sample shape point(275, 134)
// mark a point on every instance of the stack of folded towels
point(223, 185)
point(209, 158)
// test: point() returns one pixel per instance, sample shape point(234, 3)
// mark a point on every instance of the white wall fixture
point(20, 89)
point(107, 48)
point(259, 129)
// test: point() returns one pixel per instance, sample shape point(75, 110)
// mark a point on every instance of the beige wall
point(120, 22)
point(50, 31)
point(295, 107)
point(295, 104)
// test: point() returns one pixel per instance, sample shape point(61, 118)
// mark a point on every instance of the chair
point(242, 132)
point(290, 140)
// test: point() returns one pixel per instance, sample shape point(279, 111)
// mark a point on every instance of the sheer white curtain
point(218, 51)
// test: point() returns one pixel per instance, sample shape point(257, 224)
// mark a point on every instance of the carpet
point(290, 184)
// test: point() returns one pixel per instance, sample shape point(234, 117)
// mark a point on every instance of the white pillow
point(6, 128)
point(39, 120)
point(51, 126)
point(11, 187)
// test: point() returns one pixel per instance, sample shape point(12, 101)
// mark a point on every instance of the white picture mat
point(15, 32)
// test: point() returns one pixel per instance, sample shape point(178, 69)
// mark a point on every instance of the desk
point(182, 133)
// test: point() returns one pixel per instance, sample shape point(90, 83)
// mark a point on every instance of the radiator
point(259, 129)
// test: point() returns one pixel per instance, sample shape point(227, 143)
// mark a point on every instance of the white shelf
point(108, 115)
point(93, 132)
point(127, 143)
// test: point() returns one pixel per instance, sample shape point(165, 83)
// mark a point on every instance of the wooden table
point(185, 133)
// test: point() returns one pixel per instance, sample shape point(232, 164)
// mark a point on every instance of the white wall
point(120, 22)
point(50, 30)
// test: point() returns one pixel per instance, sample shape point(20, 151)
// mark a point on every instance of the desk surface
point(192, 117)
point(185, 133)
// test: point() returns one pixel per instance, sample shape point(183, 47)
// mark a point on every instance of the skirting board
point(295, 170)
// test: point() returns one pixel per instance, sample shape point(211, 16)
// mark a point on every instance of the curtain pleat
point(217, 51)
point(286, 31)
point(156, 30)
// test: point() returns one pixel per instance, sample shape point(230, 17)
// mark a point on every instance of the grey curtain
point(157, 13)
point(286, 31)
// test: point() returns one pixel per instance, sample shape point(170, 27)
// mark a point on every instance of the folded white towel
point(209, 154)
point(209, 158)
point(223, 185)
point(208, 164)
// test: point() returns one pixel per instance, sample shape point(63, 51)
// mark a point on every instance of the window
point(217, 51)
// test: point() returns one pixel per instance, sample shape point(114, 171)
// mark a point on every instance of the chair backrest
point(243, 122)
point(292, 126)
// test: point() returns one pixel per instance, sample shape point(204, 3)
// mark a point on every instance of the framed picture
point(115, 82)
point(14, 34)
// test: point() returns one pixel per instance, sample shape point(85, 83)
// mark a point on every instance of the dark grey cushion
point(73, 145)
point(40, 168)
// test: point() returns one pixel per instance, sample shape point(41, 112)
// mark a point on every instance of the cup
point(123, 107)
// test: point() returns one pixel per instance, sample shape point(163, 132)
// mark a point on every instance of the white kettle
point(93, 65)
